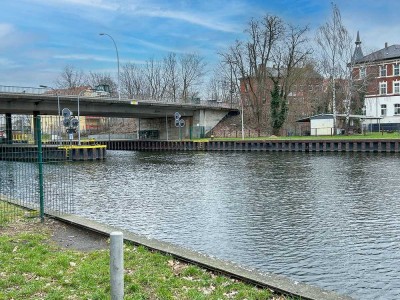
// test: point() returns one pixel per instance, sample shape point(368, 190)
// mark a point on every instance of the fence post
point(40, 166)
point(117, 265)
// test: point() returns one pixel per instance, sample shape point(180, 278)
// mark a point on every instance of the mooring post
point(117, 265)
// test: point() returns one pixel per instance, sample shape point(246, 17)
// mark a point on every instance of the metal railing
point(22, 90)
point(8, 89)
point(33, 177)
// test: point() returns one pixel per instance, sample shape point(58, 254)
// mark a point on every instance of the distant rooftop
point(389, 52)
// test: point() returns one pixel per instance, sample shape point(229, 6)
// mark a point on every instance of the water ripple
point(331, 220)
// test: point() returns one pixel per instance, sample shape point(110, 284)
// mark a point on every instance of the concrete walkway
point(274, 282)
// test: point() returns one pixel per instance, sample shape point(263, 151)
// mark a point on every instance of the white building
point(381, 72)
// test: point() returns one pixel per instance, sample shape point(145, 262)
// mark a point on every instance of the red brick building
point(381, 69)
point(304, 88)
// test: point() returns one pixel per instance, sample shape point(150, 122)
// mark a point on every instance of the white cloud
point(82, 57)
point(88, 57)
point(197, 19)
point(159, 47)
point(210, 19)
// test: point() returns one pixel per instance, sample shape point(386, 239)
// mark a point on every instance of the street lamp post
point(116, 49)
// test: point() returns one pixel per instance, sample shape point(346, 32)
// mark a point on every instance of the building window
point(396, 87)
point(383, 110)
point(397, 109)
point(382, 71)
point(382, 88)
point(396, 69)
point(362, 72)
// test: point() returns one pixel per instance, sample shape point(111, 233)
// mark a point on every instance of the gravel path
point(71, 237)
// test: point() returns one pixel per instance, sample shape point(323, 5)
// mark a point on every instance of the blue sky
point(40, 37)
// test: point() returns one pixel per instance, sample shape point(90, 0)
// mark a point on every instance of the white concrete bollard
point(117, 265)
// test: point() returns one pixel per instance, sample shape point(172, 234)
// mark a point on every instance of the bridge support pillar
point(9, 137)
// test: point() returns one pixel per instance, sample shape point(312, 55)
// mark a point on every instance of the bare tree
point(70, 77)
point(191, 72)
point(334, 42)
point(251, 59)
point(155, 80)
point(266, 64)
point(169, 79)
point(133, 81)
point(289, 57)
point(170, 64)
point(223, 85)
point(339, 58)
point(218, 87)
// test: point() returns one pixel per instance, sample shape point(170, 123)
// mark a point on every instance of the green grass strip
point(34, 267)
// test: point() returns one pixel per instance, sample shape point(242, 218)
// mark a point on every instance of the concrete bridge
point(36, 101)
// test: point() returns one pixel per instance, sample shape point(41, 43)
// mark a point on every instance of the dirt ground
point(72, 237)
point(63, 234)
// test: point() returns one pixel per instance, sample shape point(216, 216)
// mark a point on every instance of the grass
point(9, 212)
point(34, 267)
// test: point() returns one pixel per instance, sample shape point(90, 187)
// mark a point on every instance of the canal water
point(327, 219)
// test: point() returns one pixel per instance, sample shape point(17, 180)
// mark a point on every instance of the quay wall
point(29, 153)
point(370, 145)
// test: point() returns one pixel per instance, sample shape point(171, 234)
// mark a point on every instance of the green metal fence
point(33, 172)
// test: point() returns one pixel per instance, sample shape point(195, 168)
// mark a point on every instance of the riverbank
point(55, 260)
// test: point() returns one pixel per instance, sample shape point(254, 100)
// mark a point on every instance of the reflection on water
point(331, 220)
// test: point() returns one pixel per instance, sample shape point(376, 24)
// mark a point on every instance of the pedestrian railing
point(28, 180)
point(7, 89)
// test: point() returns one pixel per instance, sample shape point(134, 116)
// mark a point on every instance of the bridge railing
point(66, 93)
point(205, 103)
point(21, 90)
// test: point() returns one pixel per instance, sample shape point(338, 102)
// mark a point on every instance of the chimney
point(386, 45)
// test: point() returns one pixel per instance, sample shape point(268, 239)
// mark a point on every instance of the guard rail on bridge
point(7, 89)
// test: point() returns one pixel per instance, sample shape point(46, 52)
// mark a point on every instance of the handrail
point(8, 89)
point(22, 90)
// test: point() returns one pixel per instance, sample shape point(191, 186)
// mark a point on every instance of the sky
point(38, 38)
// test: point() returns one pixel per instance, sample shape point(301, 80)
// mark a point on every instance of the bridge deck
point(47, 104)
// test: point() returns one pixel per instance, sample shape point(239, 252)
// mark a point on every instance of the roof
point(316, 117)
point(389, 52)
point(339, 116)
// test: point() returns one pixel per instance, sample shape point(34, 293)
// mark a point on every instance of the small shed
point(323, 124)
point(319, 124)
